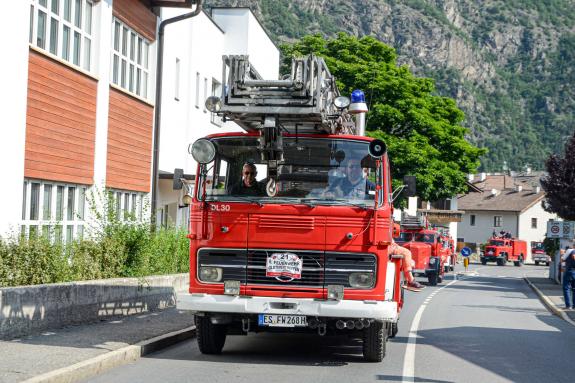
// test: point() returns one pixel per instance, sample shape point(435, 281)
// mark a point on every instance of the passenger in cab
point(248, 185)
point(354, 185)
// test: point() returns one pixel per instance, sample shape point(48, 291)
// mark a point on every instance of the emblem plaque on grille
point(284, 267)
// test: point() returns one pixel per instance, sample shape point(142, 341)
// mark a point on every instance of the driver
point(248, 185)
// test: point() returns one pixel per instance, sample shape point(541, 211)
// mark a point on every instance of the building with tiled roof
point(512, 203)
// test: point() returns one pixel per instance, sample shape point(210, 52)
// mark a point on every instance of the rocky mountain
point(510, 64)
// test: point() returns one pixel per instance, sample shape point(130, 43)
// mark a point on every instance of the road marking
point(409, 359)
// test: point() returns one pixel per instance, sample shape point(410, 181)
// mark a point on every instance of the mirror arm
point(397, 192)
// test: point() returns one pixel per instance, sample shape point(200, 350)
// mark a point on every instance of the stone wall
point(30, 309)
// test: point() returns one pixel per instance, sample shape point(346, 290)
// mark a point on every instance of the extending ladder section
point(303, 102)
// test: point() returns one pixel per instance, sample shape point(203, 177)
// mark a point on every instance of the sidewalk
point(551, 294)
point(97, 346)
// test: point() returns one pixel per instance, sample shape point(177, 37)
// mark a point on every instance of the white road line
point(409, 359)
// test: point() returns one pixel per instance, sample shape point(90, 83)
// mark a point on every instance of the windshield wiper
point(340, 202)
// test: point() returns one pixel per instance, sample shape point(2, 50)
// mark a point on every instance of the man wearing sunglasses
point(248, 185)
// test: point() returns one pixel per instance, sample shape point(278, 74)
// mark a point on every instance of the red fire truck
point(304, 246)
point(504, 248)
point(428, 250)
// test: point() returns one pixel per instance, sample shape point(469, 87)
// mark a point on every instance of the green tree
point(423, 131)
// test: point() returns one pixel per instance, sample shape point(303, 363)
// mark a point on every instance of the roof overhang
point(173, 3)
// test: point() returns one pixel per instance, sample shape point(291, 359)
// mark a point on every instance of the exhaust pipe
point(350, 324)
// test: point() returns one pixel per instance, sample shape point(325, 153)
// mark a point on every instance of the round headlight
point(341, 102)
point(210, 274)
point(203, 151)
point(432, 261)
point(361, 280)
point(213, 104)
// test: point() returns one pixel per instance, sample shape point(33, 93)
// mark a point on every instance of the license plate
point(275, 320)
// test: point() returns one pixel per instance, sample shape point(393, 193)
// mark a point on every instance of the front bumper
point(491, 258)
point(202, 303)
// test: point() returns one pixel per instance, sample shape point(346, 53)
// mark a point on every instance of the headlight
point(432, 261)
point(361, 280)
point(203, 151)
point(341, 102)
point(210, 274)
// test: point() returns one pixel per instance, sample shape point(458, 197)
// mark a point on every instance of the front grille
point(319, 269)
point(312, 272)
point(339, 266)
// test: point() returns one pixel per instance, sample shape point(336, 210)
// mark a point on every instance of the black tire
point(536, 263)
point(393, 329)
point(516, 263)
point(211, 337)
point(432, 279)
point(484, 262)
point(521, 260)
point(501, 262)
point(374, 342)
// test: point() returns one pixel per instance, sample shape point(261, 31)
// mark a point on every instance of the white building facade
point(192, 72)
point(78, 103)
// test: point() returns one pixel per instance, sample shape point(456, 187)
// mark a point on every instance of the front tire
point(393, 329)
point(211, 337)
point(432, 279)
point(484, 262)
point(536, 263)
point(374, 342)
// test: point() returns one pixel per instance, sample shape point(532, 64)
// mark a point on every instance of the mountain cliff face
point(510, 64)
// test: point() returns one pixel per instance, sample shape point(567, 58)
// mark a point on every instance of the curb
point(101, 363)
point(550, 305)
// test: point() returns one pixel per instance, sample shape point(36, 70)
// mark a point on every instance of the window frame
point(534, 222)
point(472, 220)
point(83, 58)
point(497, 220)
point(75, 225)
point(130, 60)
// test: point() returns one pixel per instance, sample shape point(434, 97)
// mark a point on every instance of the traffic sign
point(561, 229)
point(466, 252)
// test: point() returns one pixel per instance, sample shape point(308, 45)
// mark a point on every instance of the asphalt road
point(487, 326)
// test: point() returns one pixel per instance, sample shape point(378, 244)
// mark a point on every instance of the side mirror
point(410, 189)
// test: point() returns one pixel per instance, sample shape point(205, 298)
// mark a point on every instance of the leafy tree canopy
point(559, 184)
point(423, 131)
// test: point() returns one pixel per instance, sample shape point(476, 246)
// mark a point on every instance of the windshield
point(314, 171)
point(497, 243)
point(537, 246)
point(427, 238)
point(404, 237)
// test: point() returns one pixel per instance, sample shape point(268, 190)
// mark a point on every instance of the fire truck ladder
point(303, 102)
point(413, 221)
